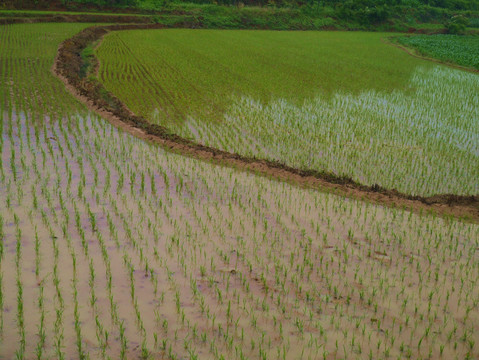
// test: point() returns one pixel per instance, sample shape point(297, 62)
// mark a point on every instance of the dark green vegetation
point(371, 14)
point(387, 15)
point(462, 50)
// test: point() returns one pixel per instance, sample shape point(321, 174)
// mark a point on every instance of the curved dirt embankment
point(68, 65)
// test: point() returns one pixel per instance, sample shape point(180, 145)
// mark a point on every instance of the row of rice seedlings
point(20, 353)
point(50, 221)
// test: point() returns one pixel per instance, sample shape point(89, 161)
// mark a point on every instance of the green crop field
point(462, 50)
point(113, 248)
point(347, 103)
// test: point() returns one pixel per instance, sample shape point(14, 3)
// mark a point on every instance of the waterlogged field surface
point(113, 248)
point(342, 102)
point(459, 49)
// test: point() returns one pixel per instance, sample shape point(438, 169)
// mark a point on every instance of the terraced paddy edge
point(69, 62)
point(114, 248)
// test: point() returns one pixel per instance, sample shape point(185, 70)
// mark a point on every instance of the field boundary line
point(90, 92)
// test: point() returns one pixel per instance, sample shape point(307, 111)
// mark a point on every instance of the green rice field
point(113, 248)
point(347, 103)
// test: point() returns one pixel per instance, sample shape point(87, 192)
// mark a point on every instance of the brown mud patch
point(68, 64)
